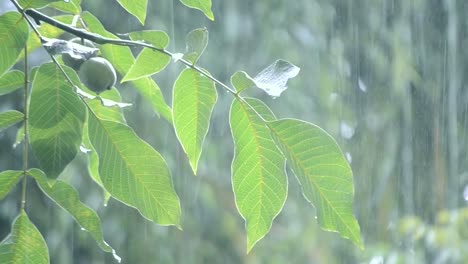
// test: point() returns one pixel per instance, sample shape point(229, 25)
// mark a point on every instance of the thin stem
point(26, 136)
point(38, 16)
point(122, 42)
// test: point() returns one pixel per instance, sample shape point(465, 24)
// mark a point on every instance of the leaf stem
point(26, 136)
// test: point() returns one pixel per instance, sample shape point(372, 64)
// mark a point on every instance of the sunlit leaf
point(14, 33)
point(34, 3)
point(10, 118)
point(107, 113)
point(274, 78)
point(241, 81)
point(136, 8)
point(202, 5)
point(196, 42)
point(323, 172)
point(193, 101)
point(133, 172)
point(8, 179)
point(69, 6)
point(56, 119)
point(148, 61)
point(67, 197)
point(11, 81)
point(258, 169)
point(122, 59)
point(25, 244)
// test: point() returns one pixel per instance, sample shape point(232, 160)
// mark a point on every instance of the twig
point(121, 42)
point(26, 136)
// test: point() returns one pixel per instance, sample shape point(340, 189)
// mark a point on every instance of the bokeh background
point(385, 78)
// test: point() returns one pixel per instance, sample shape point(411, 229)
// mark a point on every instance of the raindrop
point(465, 193)
point(349, 158)
point(377, 260)
point(346, 130)
point(116, 257)
point(177, 56)
point(84, 149)
point(82, 229)
point(66, 1)
point(362, 85)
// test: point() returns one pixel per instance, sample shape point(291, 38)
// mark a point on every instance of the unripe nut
point(74, 62)
point(97, 74)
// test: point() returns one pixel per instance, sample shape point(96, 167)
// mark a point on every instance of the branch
point(38, 16)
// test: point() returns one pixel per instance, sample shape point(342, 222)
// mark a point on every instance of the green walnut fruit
point(97, 74)
point(76, 57)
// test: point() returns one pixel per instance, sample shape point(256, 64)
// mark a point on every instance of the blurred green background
point(385, 78)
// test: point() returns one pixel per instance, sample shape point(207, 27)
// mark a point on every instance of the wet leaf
point(196, 42)
point(25, 244)
point(56, 119)
point(323, 173)
point(11, 81)
point(202, 5)
point(133, 172)
point(193, 101)
point(135, 7)
point(8, 179)
point(241, 81)
point(10, 118)
point(67, 197)
point(14, 33)
point(258, 169)
point(149, 61)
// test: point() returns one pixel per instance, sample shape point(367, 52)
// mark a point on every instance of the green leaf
point(107, 113)
point(274, 78)
point(56, 118)
point(8, 179)
point(148, 61)
point(241, 81)
point(193, 101)
point(34, 3)
point(122, 59)
point(202, 5)
point(14, 33)
point(93, 163)
point(25, 244)
point(70, 6)
point(322, 171)
point(11, 81)
point(196, 42)
point(135, 7)
point(9, 118)
point(133, 172)
point(67, 197)
point(258, 170)
point(157, 38)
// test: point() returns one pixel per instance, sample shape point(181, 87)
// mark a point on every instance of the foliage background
point(383, 77)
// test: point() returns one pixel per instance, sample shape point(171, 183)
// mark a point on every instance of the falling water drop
point(465, 193)
point(116, 257)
